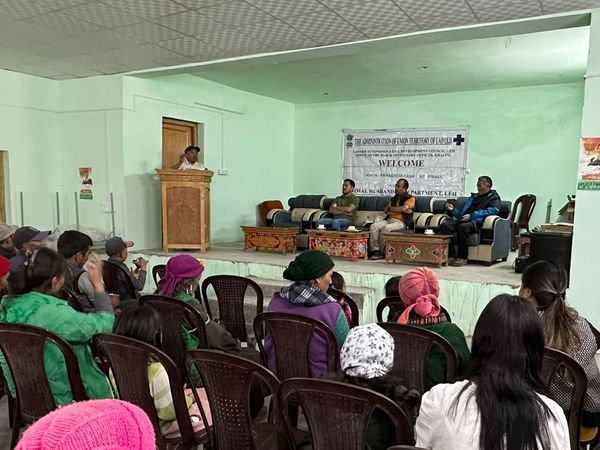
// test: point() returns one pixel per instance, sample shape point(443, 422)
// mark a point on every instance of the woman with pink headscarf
point(419, 291)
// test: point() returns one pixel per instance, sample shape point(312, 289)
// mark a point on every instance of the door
point(176, 136)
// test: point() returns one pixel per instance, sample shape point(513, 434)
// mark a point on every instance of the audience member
point(181, 279)
point(306, 296)
point(419, 290)
point(338, 282)
point(27, 239)
point(366, 360)
point(343, 208)
point(189, 159)
point(468, 220)
point(116, 249)
point(143, 324)
point(91, 425)
point(4, 271)
point(544, 284)
point(76, 248)
point(32, 300)
point(398, 217)
point(391, 287)
point(499, 406)
point(7, 247)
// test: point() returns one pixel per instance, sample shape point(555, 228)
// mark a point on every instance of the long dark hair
point(141, 323)
point(37, 272)
point(506, 359)
point(547, 281)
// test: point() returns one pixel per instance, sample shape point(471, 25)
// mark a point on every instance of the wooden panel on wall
point(176, 136)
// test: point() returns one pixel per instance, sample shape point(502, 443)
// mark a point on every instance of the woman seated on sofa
point(307, 296)
point(419, 291)
point(32, 300)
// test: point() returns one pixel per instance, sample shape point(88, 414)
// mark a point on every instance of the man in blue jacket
point(466, 221)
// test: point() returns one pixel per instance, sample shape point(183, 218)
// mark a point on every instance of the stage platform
point(464, 290)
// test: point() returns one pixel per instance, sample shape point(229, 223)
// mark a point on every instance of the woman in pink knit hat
point(91, 425)
point(419, 291)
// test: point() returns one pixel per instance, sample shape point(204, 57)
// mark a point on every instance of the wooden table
point(345, 244)
point(279, 240)
point(417, 248)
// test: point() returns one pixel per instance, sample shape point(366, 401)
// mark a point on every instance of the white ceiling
point(64, 39)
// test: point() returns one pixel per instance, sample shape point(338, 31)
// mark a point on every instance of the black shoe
point(377, 255)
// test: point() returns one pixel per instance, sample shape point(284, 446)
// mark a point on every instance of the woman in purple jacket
point(307, 296)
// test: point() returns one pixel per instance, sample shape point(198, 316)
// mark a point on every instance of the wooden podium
point(185, 208)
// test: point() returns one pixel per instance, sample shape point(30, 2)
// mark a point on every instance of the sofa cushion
point(372, 203)
point(306, 201)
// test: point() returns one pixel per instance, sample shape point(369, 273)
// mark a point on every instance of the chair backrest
point(411, 348)
point(527, 205)
point(337, 414)
point(23, 347)
point(291, 337)
point(405, 447)
point(339, 295)
point(128, 360)
point(231, 292)
point(175, 314)
point(158, 272)
point(110, 274)
point(395, 304)
point(562, 368)
point(228, 381)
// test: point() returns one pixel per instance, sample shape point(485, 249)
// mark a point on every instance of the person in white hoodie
point(500, 405)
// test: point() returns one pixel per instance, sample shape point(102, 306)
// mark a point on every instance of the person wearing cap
point(181, 279)
point(76, 248)
point(189, 159)
point(116, 249)
point(366, 360)
point(307, 296)
point(419, 291)
point(91, 425)
point(7, 247)
point(27, 239)
point(4, 271)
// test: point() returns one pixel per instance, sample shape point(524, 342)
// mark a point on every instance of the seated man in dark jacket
point(116, 249)
point(466, 221)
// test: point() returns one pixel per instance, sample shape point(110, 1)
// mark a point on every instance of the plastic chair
point(395, 305)
point(231, 292)
point(23, 348)
point(337, 414)
point(128, 359)
point(555, 364)
point(291, 335)
point(339, 295)
point(175, 314)
point(228, 382)
point(411, 347)
point(110, 273)
point(527, 205)
point(158, 271)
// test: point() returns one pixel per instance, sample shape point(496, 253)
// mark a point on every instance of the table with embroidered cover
point(417, 248)
point(344, 244)
point(281, 240)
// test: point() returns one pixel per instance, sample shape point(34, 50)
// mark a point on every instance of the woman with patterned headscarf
point(419, 291)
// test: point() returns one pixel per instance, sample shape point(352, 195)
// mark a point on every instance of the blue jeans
point(336, 224)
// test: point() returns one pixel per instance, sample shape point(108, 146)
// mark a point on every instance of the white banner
point(433, 160)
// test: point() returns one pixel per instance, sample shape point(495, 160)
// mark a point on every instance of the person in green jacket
point(32, 300)
point(419, 290)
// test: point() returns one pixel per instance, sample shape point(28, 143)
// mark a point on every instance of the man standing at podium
point(189, 159)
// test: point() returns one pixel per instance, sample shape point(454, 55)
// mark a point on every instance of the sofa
point(490, 245)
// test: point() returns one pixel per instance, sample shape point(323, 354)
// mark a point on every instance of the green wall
point(525, 138)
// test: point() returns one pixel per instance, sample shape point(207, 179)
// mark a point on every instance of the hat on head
point(4, 266)
point(308, 265)
point(179, 268)
point(191, 148)
point(419, 291)
point(27, 234)
point(116, 245)
point(6, 230)
point(96, 424)
point(368, 352)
